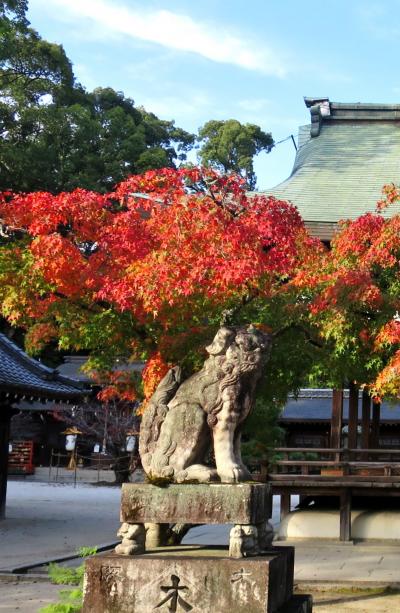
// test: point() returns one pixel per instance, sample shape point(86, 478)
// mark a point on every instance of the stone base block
point(208, 503)
point(188, 578)
point(298, 604)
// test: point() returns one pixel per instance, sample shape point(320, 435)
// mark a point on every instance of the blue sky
point(250, 60)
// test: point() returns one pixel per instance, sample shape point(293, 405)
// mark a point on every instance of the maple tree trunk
point(122, 469)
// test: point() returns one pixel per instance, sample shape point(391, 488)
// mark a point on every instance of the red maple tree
point(149, 270)
point(353, 297)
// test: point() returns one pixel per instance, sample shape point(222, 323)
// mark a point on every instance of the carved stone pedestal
point(188, 578)
point(246, 505)
point(249, 577)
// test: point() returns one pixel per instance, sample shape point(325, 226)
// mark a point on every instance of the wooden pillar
point(285, 504)
point(337, 419)
point(353, 415)
point(5, 416)
point(345, 515)
point(365, 421)
point(376, 417)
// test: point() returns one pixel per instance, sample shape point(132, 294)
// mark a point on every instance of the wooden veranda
point(358, 469)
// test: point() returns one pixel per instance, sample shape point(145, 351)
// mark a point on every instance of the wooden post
point(353, 415)
point(376, 417)
point(365, 421)
point(5, 416)
point(345, 515)
point(285, 504)
point(336, 420)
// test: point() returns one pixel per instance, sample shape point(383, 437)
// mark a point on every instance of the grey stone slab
point(190, 579)
point(298, 604)
point(219, 503)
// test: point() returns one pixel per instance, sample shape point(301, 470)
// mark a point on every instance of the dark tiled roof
point(20, 376)
point(316, 405)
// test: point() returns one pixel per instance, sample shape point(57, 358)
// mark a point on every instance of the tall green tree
point(230, 146)
point(54, 135)
point(13, 11)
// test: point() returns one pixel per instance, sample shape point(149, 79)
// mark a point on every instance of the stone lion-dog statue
point(186, 419)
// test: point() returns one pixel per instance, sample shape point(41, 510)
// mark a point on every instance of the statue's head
point(250, 339)
point(250, 347)
point(224, 337)
point(246, 343)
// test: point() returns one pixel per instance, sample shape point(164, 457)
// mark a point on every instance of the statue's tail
point(155, 414)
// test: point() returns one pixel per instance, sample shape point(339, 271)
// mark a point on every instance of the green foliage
point(13, 12)
point(85, 552)
point(262, 431)
point(70, 600)
point(55, 136)
point(300, 455)
point(63, 575)
point(231, 146)
point(285, 372)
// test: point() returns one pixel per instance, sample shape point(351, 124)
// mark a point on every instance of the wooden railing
point(341, 473)
point(336, 462)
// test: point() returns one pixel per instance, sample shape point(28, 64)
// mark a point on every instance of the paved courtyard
point(50, 520)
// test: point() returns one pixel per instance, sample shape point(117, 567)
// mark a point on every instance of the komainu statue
point(185, 420)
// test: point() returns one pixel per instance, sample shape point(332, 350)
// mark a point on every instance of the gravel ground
point(376, 600)
point(29, 597)
point(50, 520)
point(26, 596)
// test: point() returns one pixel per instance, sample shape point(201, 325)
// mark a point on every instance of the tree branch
point(301, 329)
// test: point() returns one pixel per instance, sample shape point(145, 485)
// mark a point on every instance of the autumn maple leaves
point(146, 272)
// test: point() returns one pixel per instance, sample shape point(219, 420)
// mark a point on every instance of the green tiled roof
point(344, 158)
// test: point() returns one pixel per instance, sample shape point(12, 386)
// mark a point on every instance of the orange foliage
point(119, 385)
point(156, 368)
point(155, 255)
point(354, 298)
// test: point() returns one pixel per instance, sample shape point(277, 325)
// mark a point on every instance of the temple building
point(347, 153)
point(339, 445)
point(22, 378)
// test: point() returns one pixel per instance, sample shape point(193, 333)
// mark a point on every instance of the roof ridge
point(36, 367)
point(33, 364)
point(322, 110)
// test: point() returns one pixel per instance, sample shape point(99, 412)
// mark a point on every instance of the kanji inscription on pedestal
point(173, 597)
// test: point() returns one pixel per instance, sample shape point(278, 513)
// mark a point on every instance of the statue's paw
point(167, 472)
point(181, 476)
point(234, 473)
point(245, 474)
point(196, 472)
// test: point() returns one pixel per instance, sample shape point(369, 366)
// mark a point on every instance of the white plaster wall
point(325, 524)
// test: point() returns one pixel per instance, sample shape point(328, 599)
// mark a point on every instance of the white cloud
point(253, 105)
point(187, 106)
point(176, 31)
point(378, 20)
